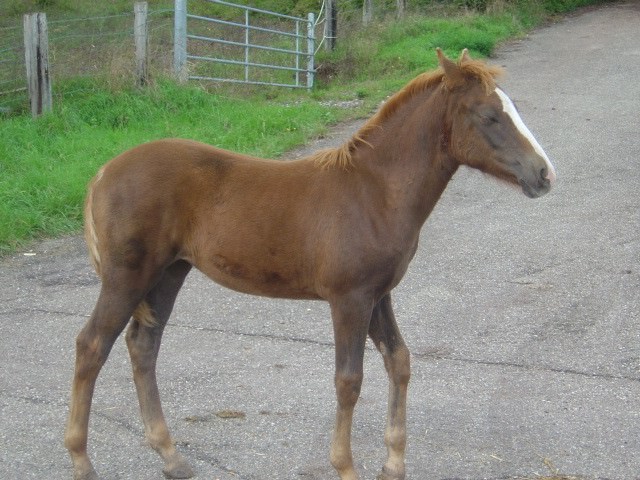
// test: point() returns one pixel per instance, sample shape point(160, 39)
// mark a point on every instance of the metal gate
point(249, 45)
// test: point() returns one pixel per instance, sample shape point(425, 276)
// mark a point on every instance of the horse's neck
point(408, 153)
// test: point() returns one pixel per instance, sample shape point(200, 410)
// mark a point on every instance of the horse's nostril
point(544, 172)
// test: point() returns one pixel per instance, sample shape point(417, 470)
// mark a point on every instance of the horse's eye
point(488, 118)
point(486, 115)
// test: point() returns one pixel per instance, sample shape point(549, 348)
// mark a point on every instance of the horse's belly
point(257, 280)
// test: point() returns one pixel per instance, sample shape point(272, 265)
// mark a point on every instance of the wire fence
point(103, 46)
point(88, 47)
point(13, 89)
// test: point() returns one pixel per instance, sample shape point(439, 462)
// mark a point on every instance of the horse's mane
point(341, 157)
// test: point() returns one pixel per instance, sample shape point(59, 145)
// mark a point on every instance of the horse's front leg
point(386, 336)
point(351, 318)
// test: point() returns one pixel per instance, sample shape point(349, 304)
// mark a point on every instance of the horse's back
point(166, 174)
point(161, 160)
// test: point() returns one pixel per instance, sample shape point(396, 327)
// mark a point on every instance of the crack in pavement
point(32, 400)
point(423, 356)
point(524, 366)
point(269, 336)
point(419, 356)
point(200, 454)
point(42, 310)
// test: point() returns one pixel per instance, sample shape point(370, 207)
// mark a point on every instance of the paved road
point(523, 318)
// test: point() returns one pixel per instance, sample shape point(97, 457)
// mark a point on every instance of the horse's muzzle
point(538, 188)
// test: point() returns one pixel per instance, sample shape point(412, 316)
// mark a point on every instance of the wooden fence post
point(330, 25)
point(140, 31)
point(36, 56)
point(367, 12)
point(180, 40)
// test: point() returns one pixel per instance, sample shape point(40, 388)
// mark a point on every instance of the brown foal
point(341, 226)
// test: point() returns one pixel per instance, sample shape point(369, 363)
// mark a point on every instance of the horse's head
point(486, 131)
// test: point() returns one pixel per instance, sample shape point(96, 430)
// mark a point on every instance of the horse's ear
point(447, 65)
point(451, 70)
point(464, 57)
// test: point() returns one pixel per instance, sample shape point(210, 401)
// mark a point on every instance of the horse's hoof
point(87, 475)
point(178, 469)
point(387, 474)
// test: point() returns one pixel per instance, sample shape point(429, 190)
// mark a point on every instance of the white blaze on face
point(510, 109)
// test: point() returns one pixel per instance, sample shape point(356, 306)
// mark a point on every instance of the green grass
point(409, 46)
point(45, 163)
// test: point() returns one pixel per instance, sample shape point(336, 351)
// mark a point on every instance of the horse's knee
point(91, 352)
point(348, 388)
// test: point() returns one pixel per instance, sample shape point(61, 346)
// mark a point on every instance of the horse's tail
point(90, 234)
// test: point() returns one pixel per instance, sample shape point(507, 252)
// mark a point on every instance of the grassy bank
point(45, 163)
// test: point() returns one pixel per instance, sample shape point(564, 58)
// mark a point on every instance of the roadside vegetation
point(45, 163)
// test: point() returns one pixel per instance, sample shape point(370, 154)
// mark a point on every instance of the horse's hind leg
point(384, 332)
point(143, 340)
point(93, 344)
